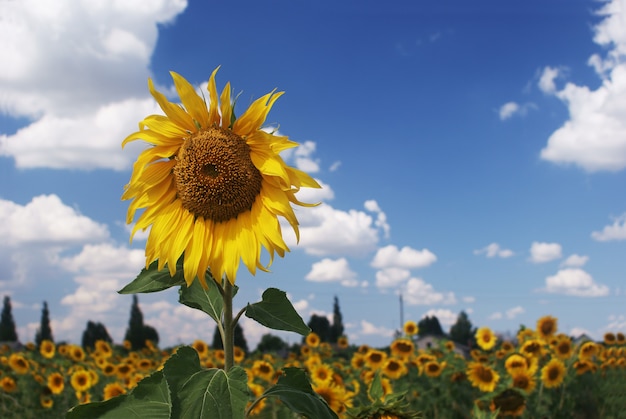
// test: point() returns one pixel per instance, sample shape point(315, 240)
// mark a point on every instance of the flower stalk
point(228, 338)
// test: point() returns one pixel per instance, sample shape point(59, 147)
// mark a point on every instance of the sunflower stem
point(229, 327)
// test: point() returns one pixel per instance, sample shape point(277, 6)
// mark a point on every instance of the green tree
point(321, 326)
point(137, 332)
point(271, 343)
point(45, 331)
point(430, 325)
point(93, 333)
point(238, 338)
point(337, 329)
point(462, 331)
point(8, 331)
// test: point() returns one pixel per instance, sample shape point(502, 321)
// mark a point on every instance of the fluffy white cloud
point(615, 231)
point(419, 292)
point(381, 217)
point(368, 328)
point(446, 317)
point(469, 299)
point(575, 261)
point(329, 270)
point(315, 195)
point(391, 277)
point(495, 316)
point(594, 137)
point(511, 109)
point(576, 282)
point(544, 252)
point(325, 230)
point(46, 220)
point(514, 312)
point(493, 250)
point(80, 113)
point(407, 258)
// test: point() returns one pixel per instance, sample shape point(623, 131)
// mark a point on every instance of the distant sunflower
point(312, 340)
point(342, 342)
point(563, 348)
point(81, 381)
point(238, 354)
point(532, 347)
point(582, 366)
point(402, 348)
point(546, 327)
point(76, 353)
point(507, 346)
point(103, 348)
point(113, 390)
point(201, 347)
point(524, 380)
point(434, 368)
point(263, 370)
point(482, 376)
point(553, 373)
point(332, 394)
point(516, 362)
point(620, 338)
point(18, 363)
point(410, 328)
point(212, 185)
point(508, 403)
point(485, 338)
point(8, 384)
point(374, 359)
point(610, 339)
point(47, 348)
point(56, 383)
point(394, 368)
point(357, 361)
point(588, 350)
point(321, 373)
point(257, 390)
point(46, 402)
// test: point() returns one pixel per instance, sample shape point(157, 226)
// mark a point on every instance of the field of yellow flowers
point(543, 374)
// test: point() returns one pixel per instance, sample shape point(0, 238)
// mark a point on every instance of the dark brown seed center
point(215, 176)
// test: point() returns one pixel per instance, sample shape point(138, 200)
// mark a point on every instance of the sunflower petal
point(173, 111)
point(193, 103)
point(254, 117)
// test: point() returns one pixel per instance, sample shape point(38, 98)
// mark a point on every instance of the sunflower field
point(543, 374)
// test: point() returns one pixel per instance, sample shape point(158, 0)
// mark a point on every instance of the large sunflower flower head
point(212, 186)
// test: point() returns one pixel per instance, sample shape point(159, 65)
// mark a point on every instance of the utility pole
point(401, 313)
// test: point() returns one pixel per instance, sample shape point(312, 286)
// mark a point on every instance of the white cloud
point(368, 328)
point(329, 270)
point(446, 317)
point(80, 113)
point(469, 299)
point(546, 80)
point(575, 261)
point(495, 316)
point(594, 136)
point(407, 258)
point(575, 282)
point(508, 110)
point(381, 217)
point(544, 252)
point(335, 166)
point(419, 292)
point(615, 231)
point(325, 230)
point(391, 277)
point(46, 220)
point(514, 312)
point(493, 250)
point(315, 195)
point(303, 159)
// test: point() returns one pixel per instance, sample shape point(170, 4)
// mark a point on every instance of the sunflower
point(375, 359)
point(81, 381)
point(103, 349)
point(482, 376)
point(257, 390)
point(312, 340)
point(553, 373)
point(563, 348)
point(333, 395)
point(434, 368)
point(263, 370)
point(620, 338)
point(402, 348)
point(532, 347)
point(201, 347)
point(238, 354)
point(342, 342)
point(56, 383)
point(516, 362)
point(609, 338)
point(508, 403)
point(46, 401)
point(410, 328)
point(76, 353)
point(321, 373)
point(357, 361)
point(485, 338)
point(546, 327)
point(8, 384)
point(394, 368)
point(507, 346)
point(212, 185)
point(113, 390)
point(18, 363)
point(588, 350)
point(523, 380)
point(47, 348)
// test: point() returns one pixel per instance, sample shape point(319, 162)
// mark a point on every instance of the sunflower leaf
point(294, 390)
point(150, 399)
point(153, 279)
point(210, 300)
point(276, 312)
point(177, 369)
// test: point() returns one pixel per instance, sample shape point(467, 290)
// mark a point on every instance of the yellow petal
point(173, 111)
point(254, 117)
point(214, 116)
point(193, 103)
point(226, 107)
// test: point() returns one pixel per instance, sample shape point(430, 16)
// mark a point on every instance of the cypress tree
point(462, 331)
point(44, 332)
point(320, 326)
point(336, 330)
point(137, 332)
point(8, 332)
point(93, 333)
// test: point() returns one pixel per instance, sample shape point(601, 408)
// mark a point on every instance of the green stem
point(229, 327)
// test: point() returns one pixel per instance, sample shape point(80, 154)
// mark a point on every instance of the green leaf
point(150, 399)
point(294, 390)
point(153, 280)
point(276, 312)
point(375, 391)
point(210, 300)
point(177, 369)
point(213, 393)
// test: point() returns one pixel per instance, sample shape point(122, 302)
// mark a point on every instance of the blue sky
point(472, 155)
